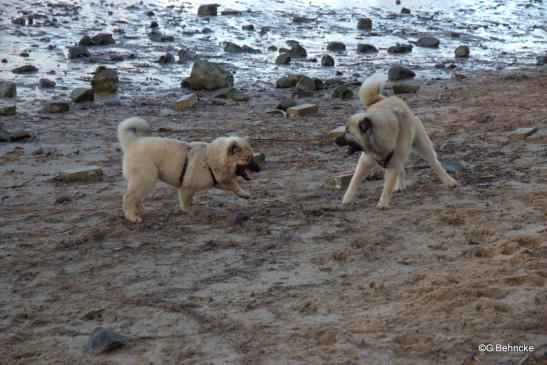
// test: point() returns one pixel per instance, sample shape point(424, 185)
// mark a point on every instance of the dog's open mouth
point(241, 170)
point(353, 147)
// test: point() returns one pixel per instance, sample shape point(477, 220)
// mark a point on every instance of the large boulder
point(366, 48)
point(297, 51)
point(209, 76)
point(305, 84)
point(399, 72)
point(105, 80)
point(8, 89)
point(283, 59)
point(336, 46)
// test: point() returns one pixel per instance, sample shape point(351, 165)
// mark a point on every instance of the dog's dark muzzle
point(251, 166)
point(352, 145)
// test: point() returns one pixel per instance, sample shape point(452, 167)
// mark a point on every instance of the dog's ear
point(365, 126)
point(234, 148)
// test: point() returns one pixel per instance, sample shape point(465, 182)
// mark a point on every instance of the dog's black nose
point(341, 141)
point(253, 166)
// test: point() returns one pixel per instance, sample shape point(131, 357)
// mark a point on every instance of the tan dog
point(386, 133)
point(188, 166)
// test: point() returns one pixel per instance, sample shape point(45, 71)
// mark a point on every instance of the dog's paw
point(243, 194)
point(133, 218)
point(347, 200)
point(451, 183)
point(383, 205)
point(400, 188)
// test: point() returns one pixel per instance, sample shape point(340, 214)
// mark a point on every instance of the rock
point(522, 133)
point(166, 58)
point(338, 182)
point(230, 12)
point(318, 83)
point(248, 27)
point(440, 66)
point(327, 61)
point(285, 104)
point(297, 51)
point(24, 69)
point(366, 48)
point(336, 46)
point(102, 341)
point(104, 81)
point(405, 88)
point(57, 107)
point(209, 76)
point(343, 92)
point(305, 84)
point(538, 137)
point(364, 23)
point(8, 89)
point(8, 109)
point(283, 59)
point(302, 110)
point(400, 48)
point(185, 56)
point(260, 158)
point(337, 132)
point(461, 51)
point(77, 52)
point(234, 48)
point(285, 82)
point(46, 83)
point(430, 42)
point(405, 11)
point(399, 72)
point(541, 60)
point(207, 30)
point(82, 94)
point(302, 94)
point(19, 21)
point(153, 24)
point(237, 217)
point(208, 10)
point(452, 166)
point(301, 19)
point(102, 39)
point(272, 48)
point(186, 101)
point(230, 92)
point(6, 136)
point(156, 36)
point(295, 76)
point(485, 118)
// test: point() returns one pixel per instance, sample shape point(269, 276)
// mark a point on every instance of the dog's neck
point(185, 167)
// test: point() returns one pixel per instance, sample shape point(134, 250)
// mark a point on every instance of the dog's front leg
point(185, 199)
point(364, 165)
point(401, 186)
point(235, 188)
point(390, 180)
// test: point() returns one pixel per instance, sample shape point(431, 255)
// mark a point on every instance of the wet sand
point(304, 280)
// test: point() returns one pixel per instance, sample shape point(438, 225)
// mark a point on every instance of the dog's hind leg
point(401, 180)
point(137, 187)
point(422, 145)
point(365, 164)
point(391, 175)
point(185, 199)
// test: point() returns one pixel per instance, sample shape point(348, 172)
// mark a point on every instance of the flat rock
point(209, 76)
point(340, 182)
point(208, 10)
point(327, 61)
point(8, 109)
point(231, 93)
point(522, 133)
point(46, 83)
point(336, 46)
point(302, 110)
point(186, 101)
point(8, 89)
point(283, 59)
point(156, 36)
point(399, 72)
point(430, 42)
point(461, 51)
point(77, 52)
point(364, 23)
point(235, 48)
point(286, 103)
point(102, 39)
point(248, 27)
point(6, 136)
point(405, 88)
point(81, 174)
point(231, 12)
point(25, 69)
point(366, 48)
point(82, 94)
point(336, 132)
point(102, 341)
point(400, 48)
point(57, 107)
point(105, 80)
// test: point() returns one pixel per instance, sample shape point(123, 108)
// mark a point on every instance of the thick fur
point(387, 126)
point(149, 159)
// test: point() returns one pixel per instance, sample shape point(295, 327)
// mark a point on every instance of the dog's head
point(357, 135)
point(232, 156)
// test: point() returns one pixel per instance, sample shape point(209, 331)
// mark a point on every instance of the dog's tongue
point(241, 172)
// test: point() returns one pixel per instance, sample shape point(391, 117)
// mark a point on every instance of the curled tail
point(127, 131)
point(370, 90)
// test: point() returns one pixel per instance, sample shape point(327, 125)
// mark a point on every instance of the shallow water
point(500, 34)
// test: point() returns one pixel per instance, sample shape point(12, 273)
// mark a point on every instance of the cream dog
point(386, 133)
point(188, 166)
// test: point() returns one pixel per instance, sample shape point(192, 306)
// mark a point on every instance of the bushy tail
point(127, 131)
point(370, 90)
